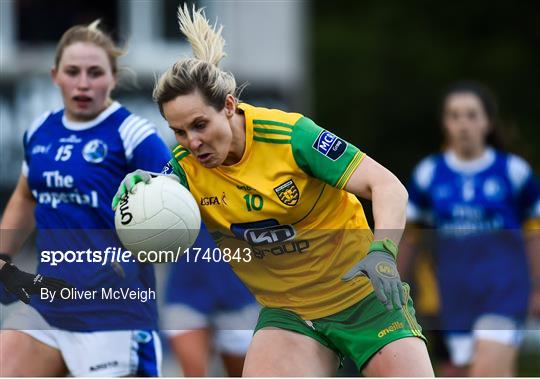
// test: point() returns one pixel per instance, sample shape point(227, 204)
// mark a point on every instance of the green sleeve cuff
point(179, 171)
point(386, 245)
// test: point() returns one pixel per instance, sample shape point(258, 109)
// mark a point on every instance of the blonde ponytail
point(200, 73)
point(93, 27)
point(206, 41)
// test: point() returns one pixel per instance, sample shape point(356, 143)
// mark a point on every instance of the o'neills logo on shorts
point(125, 214)
point(103, 366)
point(392, 328)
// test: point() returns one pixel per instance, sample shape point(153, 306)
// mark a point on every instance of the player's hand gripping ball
point(155, 213)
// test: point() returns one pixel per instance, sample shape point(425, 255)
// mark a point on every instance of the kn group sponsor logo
point(329, 145)
point(95, 151)
point(271, 235)
point(288, 193)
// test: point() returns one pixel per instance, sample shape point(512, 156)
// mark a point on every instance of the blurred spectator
point(479, 199)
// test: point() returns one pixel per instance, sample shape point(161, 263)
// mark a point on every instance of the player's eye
point(95, 73)
point(200, 126)
point(71, 71)
point(453, 116)
point(472, 115)
point(179, 132)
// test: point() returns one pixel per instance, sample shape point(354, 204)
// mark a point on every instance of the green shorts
point(357, 332)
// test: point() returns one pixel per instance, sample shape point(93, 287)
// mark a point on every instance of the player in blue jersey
point(207, 310)
point(74, 159)
point(480, 200)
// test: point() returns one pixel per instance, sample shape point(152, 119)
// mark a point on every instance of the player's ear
point(54, 73)
point(230, 105)
point(114, 82)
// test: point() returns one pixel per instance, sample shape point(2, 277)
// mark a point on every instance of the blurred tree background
point(379, 69)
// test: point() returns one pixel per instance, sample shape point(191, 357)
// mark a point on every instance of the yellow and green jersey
point(284, 200)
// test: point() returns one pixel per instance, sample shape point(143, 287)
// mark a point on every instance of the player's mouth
point(204, 158)
point(82, 101)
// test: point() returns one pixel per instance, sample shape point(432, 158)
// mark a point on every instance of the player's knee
point(10, 345)
point(253, 369)
point(493, 358)
point(10, 354)
point(403, 357)
point(259, 363)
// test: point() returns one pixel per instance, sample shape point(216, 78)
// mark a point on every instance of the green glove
point(129, 183)
point(379, 265)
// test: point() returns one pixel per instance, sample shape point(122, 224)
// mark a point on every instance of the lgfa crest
point(288, 193)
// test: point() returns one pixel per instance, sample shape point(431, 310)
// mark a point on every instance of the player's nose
point(83, 82)
point(194, 143)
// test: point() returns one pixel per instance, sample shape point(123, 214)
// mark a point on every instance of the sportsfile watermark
point(121, 255)
point(301, 269)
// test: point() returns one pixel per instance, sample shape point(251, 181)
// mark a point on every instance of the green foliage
point(381, 66)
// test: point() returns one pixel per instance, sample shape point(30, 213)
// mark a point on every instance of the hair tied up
point(206, 41)
point(201, 73)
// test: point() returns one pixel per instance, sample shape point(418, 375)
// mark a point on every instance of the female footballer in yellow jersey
point(281, 185)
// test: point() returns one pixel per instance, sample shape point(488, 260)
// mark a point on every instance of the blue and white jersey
point(476, 209)
point(73, 170)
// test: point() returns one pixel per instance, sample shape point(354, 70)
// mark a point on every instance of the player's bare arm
point(18, 218)
point(374, 182)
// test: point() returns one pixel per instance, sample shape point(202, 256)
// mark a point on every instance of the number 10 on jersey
point(253, 202)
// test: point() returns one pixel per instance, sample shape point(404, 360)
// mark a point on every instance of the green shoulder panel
point(179, 153)
point(271, 131)
point(323, 154)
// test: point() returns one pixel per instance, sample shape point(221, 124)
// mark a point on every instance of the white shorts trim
point(98, 354)
point(234, 342)
point(233, 330)
point(177, 319)
point(460, 348)
point(489, 327)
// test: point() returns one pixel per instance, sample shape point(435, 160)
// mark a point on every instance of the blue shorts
point(206, 286)
point(482, 274)
point(464, 301)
